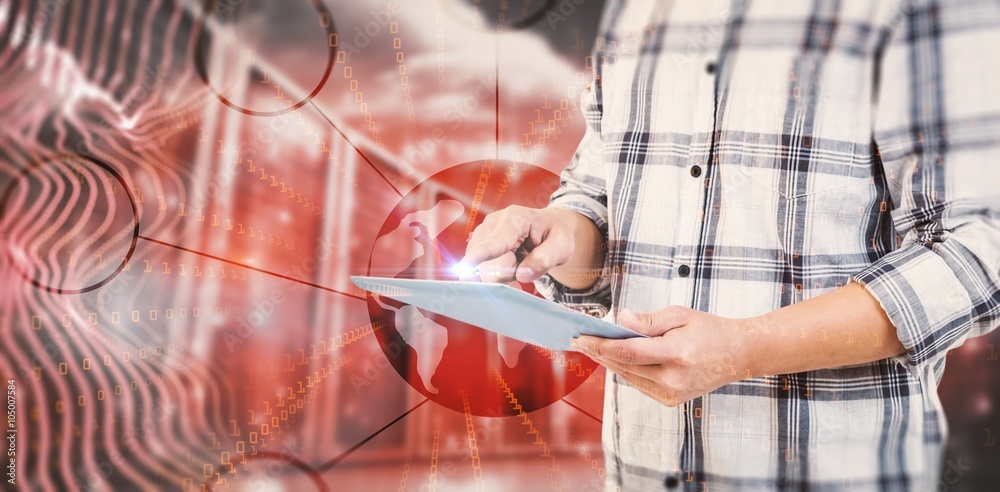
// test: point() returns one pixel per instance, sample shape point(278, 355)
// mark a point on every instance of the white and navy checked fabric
point(742, 156)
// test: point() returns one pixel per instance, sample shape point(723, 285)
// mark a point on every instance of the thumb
point(654, 323)
point(551, 253)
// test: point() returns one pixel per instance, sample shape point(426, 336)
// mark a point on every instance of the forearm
point(840, 328)
point(583, 267)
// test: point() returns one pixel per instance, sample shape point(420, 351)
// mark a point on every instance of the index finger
point(507, 236)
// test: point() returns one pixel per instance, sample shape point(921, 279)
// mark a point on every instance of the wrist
point(752, 353)
point(585, 258)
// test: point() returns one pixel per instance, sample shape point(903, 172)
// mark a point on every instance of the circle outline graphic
point(525, 23)
point(135, 218)
point(200, 67)
point(285, 457)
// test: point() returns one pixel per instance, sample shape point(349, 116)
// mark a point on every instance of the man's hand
point(690, 353)
point(522, 244)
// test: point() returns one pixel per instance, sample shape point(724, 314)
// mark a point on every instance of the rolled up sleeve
point(938, 130)
point(583, 189)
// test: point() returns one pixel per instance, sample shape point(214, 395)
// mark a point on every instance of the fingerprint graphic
point(70, 224)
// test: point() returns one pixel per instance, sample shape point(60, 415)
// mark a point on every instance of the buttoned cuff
point(596, 299)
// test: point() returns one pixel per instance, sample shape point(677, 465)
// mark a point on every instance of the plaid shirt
point(742, 156)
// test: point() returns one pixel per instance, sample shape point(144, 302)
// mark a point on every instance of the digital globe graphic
point(446, 360)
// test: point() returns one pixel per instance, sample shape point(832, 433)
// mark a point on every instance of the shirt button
point(710, 68)
point(671, 482)
point(695, 171)
point(684, 270)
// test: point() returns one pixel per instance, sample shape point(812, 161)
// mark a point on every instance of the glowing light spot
point(463, 270)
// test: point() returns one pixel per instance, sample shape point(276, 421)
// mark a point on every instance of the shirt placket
point(694, 181)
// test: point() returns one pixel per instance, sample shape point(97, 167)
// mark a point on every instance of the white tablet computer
point(497, 308)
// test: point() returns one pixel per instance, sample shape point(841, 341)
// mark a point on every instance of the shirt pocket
point(816, 208)
point(829, 181)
